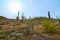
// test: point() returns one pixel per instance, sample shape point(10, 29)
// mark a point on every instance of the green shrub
point(49, 27)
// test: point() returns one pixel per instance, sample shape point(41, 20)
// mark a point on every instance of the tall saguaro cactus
point(49, 14)
point(22, 16)
point(18, 14)
point(17, 18)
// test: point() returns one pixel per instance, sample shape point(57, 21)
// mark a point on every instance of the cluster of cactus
point(22, 17)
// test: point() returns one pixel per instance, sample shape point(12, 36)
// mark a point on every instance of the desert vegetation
point(37, 28)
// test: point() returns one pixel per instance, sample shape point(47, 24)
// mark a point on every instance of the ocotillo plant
point(49, 15)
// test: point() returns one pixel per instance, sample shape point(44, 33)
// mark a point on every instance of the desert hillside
point(38, 28)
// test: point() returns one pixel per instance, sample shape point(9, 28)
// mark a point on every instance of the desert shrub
point(49, 27)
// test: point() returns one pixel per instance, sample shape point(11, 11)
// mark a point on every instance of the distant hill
point(3, 18)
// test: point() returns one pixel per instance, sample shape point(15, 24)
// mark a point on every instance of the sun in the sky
point(14, 6)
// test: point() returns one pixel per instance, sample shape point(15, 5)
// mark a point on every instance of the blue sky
point(31, 8)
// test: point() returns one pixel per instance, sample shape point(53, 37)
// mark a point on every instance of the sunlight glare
point(14, 6)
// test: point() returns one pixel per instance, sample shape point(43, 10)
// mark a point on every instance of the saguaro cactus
point(17, 18)
point(49, 14)
point(22, 17)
